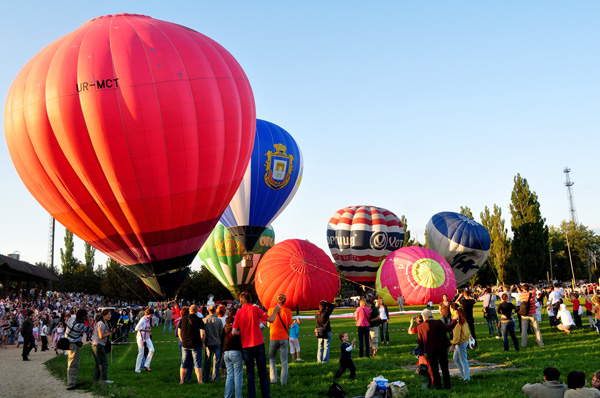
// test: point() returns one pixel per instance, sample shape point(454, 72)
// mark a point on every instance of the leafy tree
point(583, 243)
point(529, 252)
point(199, 284)
point(118, 283)
point(466, 211)
point(498, 258)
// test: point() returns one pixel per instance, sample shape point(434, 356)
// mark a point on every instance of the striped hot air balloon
point(360, 237)
point(421, 275)
point(463, 242)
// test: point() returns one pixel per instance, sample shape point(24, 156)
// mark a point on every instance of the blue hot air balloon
point(272, 178)
point(463, 242)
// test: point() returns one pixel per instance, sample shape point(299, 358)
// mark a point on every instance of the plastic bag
point(397, 389)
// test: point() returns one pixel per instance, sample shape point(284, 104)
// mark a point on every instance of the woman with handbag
point(459, 343)
point(99, 341)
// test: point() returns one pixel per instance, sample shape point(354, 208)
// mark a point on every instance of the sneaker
point(497, 337)
point(299, 360)
point(109, 381)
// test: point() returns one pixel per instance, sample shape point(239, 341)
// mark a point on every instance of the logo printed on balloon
point(379, 240)
point(279, 167)
point(99, 84)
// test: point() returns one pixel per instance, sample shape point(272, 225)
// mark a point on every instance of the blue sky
point(417, 107)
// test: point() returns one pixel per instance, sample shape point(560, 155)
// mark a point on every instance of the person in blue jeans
point(507, 322)
point(232, 355)
point(192, 335)
point(322, 324)
point(247, 324)
point(460, 340)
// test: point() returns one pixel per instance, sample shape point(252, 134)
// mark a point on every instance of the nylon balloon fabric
point(360, 237)
point(462, 241)
point(270, 183)
point(301, 271)
point(134, 133)
point(222, 255)
point(419, 274)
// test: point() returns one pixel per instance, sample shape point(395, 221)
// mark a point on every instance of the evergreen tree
point(529, 252)
point(90, 252)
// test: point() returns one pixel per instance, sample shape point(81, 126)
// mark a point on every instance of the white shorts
point(294, 345)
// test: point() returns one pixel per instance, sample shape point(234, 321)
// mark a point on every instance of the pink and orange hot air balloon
point(298, 269)
point(133, 133)
point(418, 273)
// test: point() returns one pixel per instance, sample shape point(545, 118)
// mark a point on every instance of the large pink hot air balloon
point(421, 275)
point(301, 271)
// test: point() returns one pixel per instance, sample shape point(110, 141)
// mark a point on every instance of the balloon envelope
point(463, 242)
point(420, 274)
point(270, 182)
point(222, 255)
point(133, 133)
point(301, 271)
point(360, 237)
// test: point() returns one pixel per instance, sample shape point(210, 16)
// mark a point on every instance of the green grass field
point(577, 351)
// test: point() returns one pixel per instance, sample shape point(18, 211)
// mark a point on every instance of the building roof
point(29, 271)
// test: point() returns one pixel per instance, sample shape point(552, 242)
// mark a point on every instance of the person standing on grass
point(550, 388)
point(374, 321)
point(507, 322)
point(459, 343)
point(279, 340)
point(433, 342)
point(143, 329)
point(489, 308)
point(322, 322)
point(190, 331)
point(362, 315)
point(168, 320)
point(247, 324)
point(346, 357)
point(99, 337)
point(467, 302)
point(384, 322)
point(214, 336)
point(232, 356)
point(75, 329)
point(295, 340)
point(576, 305)
point(528, 294)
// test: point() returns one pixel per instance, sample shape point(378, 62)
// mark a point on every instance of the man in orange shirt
point(247, 324)
point(279, 339)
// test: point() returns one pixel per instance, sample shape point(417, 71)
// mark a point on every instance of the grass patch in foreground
point(577, 351)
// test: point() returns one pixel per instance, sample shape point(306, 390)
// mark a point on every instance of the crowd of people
point(216, 341)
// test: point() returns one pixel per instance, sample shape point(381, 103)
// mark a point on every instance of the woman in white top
point(143, 339)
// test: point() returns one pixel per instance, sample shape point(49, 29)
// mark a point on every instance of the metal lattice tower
point(569, 184)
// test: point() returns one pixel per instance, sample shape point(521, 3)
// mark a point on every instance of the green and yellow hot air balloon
point(224, 256)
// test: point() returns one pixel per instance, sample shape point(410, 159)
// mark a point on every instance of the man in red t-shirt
point(247, 324)
point(576, 305)
point(527, 291)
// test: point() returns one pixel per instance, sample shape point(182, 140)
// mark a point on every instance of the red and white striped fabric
point(360, 237)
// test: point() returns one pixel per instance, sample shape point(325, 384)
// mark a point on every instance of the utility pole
point(570, 259)
point(51, 249)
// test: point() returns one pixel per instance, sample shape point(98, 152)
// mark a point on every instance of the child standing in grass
point(346, 357)
point(294, 340)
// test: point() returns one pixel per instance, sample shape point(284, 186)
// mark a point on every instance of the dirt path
point(20, 378)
